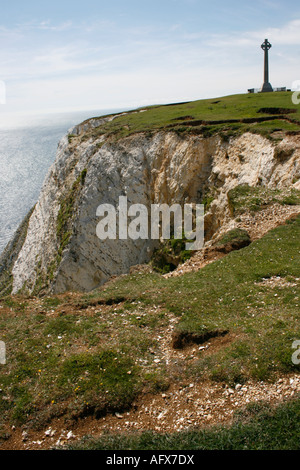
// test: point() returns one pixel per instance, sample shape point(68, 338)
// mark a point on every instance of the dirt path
point(179, 408)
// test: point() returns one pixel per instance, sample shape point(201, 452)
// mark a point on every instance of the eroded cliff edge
point(61, 250)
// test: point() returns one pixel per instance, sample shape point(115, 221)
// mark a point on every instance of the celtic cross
point(266, 46)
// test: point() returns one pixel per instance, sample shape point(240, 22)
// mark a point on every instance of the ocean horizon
point(27, 150)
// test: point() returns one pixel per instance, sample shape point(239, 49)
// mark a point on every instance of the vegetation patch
point(10, 254)
point(67, 206)
point(277, 111)
point(181, 339)
point(63, 231)
point(255, 198)
point(71, 137)
point(170, 255)
point(283, 154)
point(73, 362)
point(105, 382)
point(237, 238)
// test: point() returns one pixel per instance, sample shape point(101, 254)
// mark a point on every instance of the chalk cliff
point(61, 250)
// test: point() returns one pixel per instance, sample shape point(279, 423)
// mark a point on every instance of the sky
point(70, 55)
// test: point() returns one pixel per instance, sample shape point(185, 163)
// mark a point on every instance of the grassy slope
point(90, 354)
point(230, 295)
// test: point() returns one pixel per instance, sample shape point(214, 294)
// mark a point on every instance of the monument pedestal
point(267, 87)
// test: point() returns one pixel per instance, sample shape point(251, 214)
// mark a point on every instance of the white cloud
point(289, 34)
point(46, 25)
point(137, 69)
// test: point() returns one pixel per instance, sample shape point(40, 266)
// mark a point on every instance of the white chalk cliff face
point(62, 250)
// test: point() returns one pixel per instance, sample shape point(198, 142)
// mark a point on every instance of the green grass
point(235, 235)
point(73, 363)
point(169, 255)
point(258, 427)
point(93, 353)
point(64, 229)
point(51, 302)
point(229, 115)
point(230, 295)
point(9, 256)
point(255, 198)
point(66, 210)
point(106, 381)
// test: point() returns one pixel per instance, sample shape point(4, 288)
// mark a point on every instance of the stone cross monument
point(267, 87)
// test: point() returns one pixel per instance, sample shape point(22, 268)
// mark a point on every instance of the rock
point(95, 170)
point(49, 432)
point(162, 414)
point(39, 443)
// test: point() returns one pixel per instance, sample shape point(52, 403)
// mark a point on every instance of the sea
point(26, 153)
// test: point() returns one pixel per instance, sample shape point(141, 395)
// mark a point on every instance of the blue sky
point(82, 55)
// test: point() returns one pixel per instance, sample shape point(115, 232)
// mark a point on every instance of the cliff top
point(264, 113)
